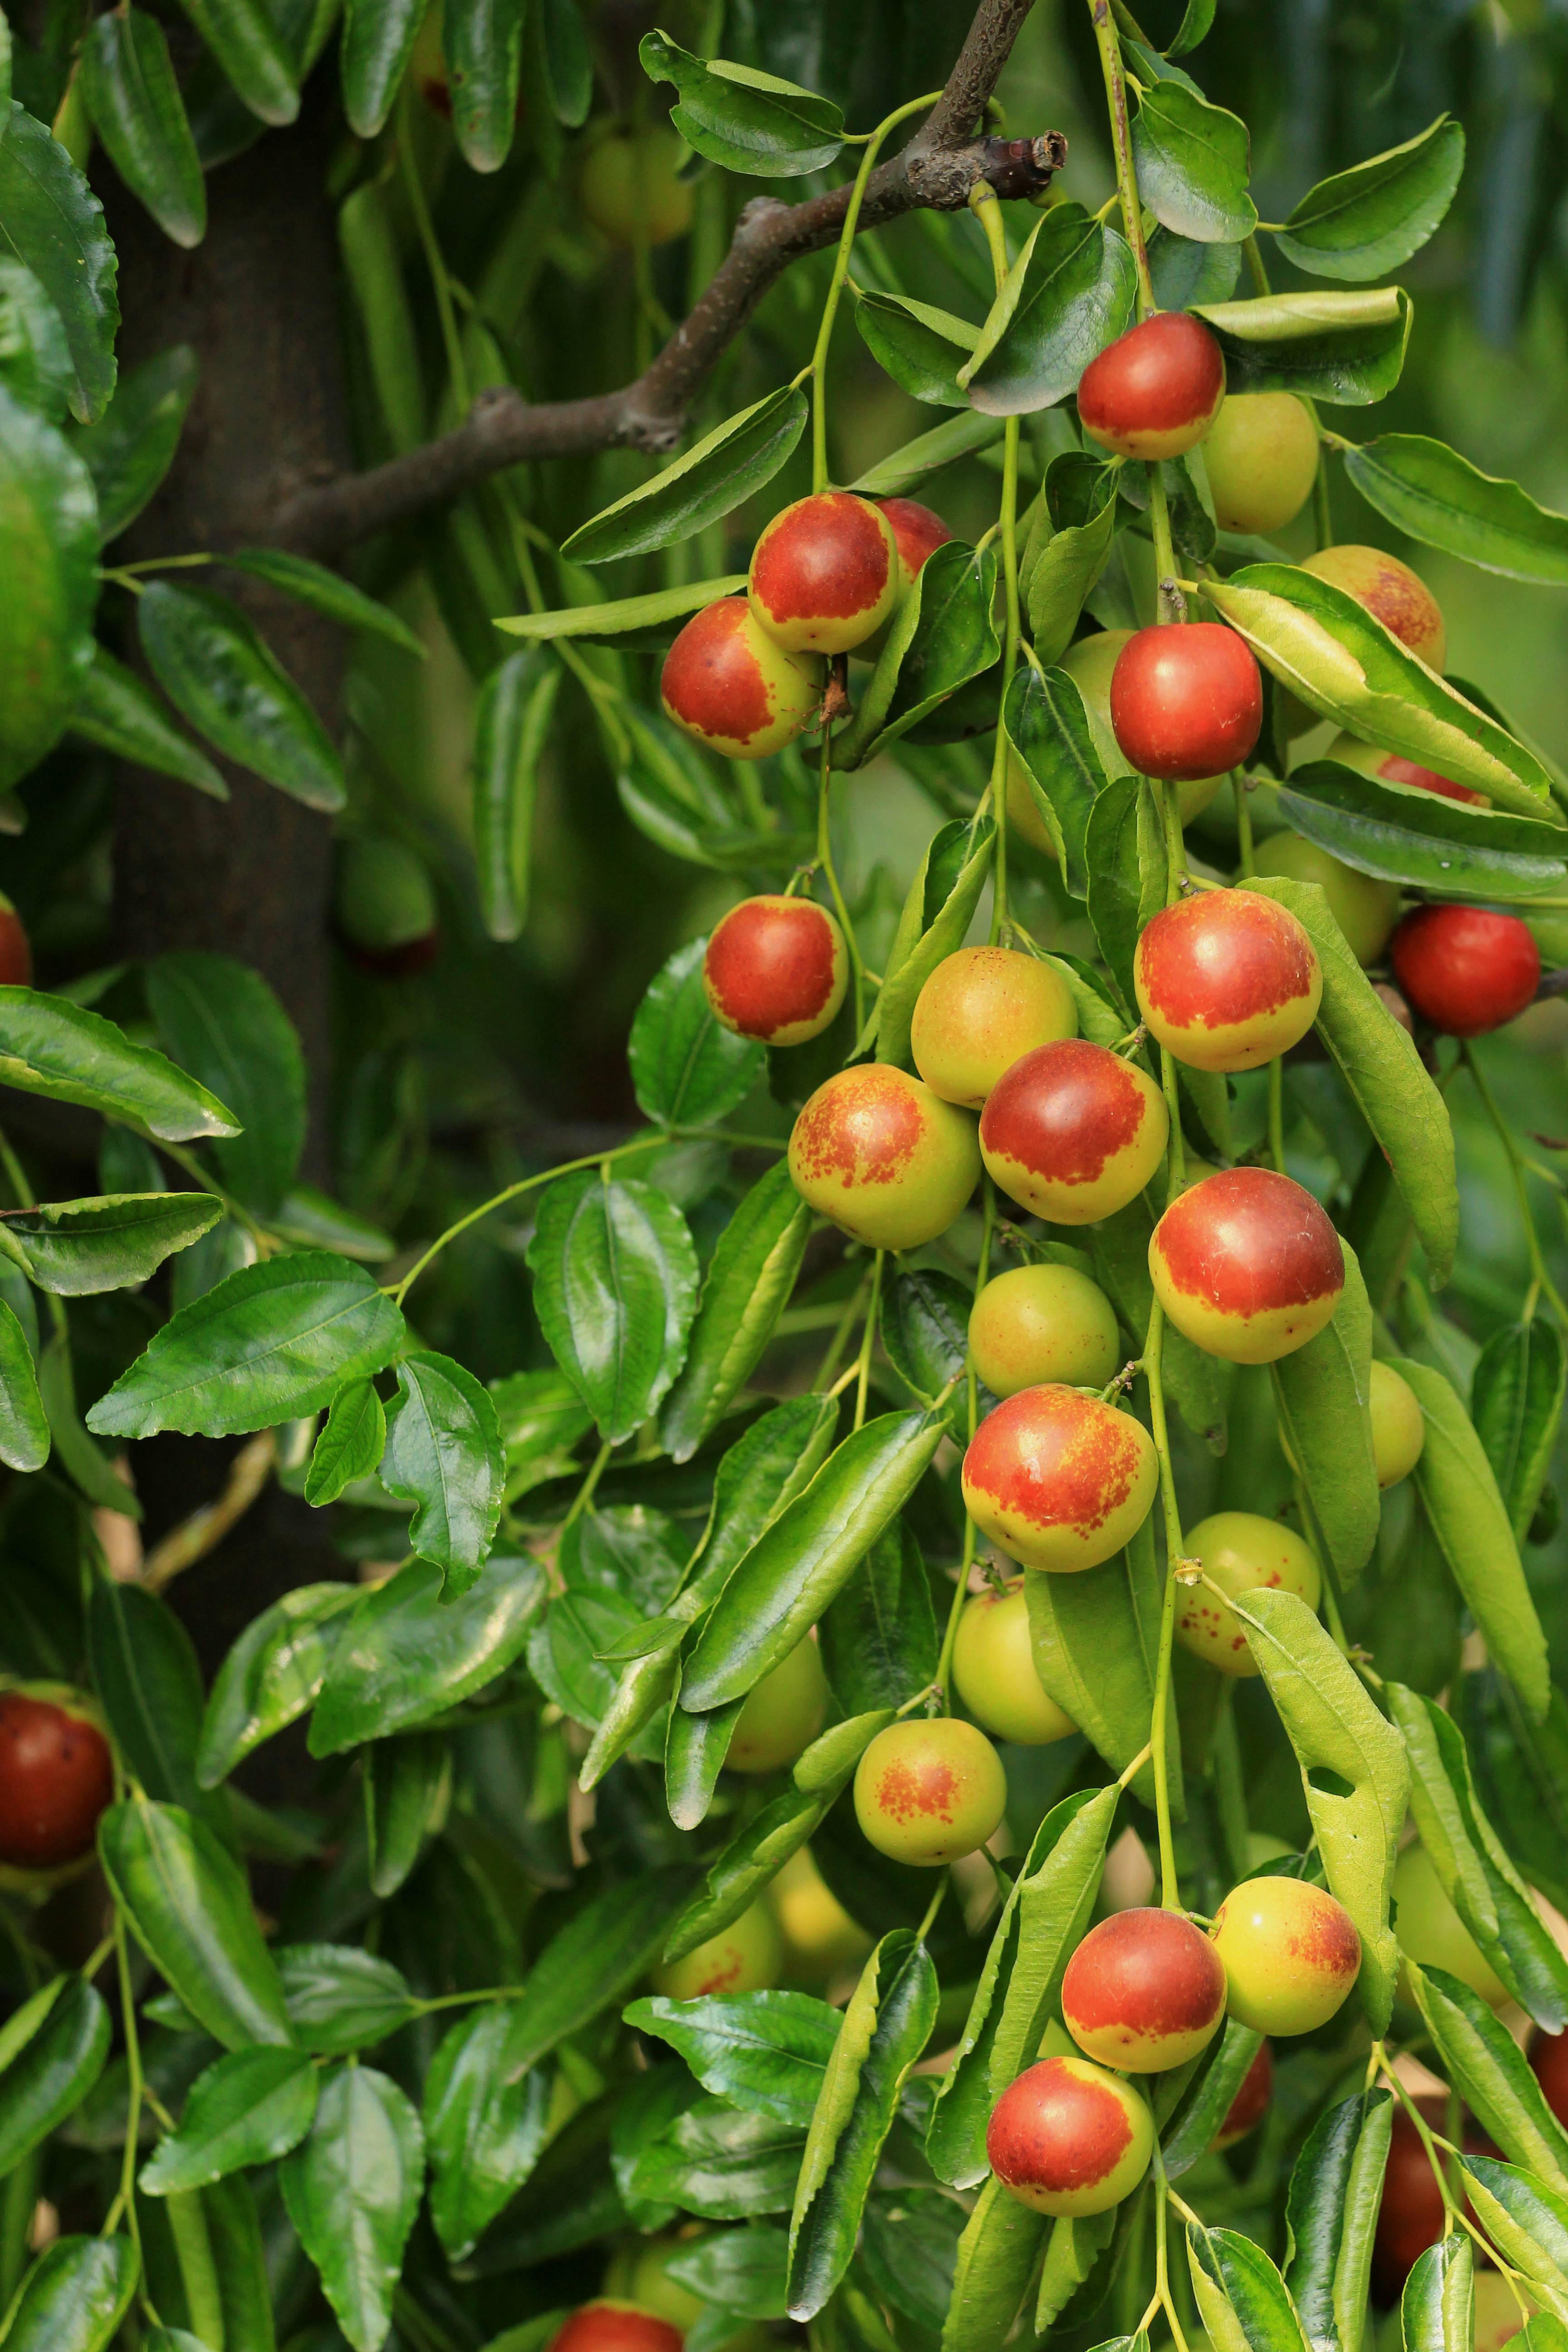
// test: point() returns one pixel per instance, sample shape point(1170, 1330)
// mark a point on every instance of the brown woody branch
point(937, 169)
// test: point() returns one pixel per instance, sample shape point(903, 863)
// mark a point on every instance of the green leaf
point(1242, 2300)
point(270, 1343)
point(76, 1248)
point(687, 1069)
point(1078, 295)
point(745, 1290)
point(1470, 1521)
point(568, 63)
point(340, 1998)
point(997, 2259)
point(1119, 1245)
point(1364, 223)
point(121, 715)
point(1189, 2131)
point(743, 2271)
point(593, 1961)
point(922, 347)
point(1335, 2185)
point(485, 2125)
point(614, 1288)
point(1378, 1061)
point(1323, 1395)
point(937, 914)
point(1061, 576)
point(132, 446)
point(128, 80)
point(1437, 2307)
point(325, 592)
point(1441, 846)
point(406, 1657)
point(50, 1047)
point(483, 44)
point(878, 1638)
point(1097, 1638)
point(1197, 18)
point(725, 467)
point(795, 1569)
point(1184, 273)
point(1047, 727)
point(885, 2030)
point(1122, 829)
point(444, 1454)
point(407, 1795)
point(1345, 348)
point(352, 2190)
point(511, 725)
point(957, 437)
point(1194, 161)
point(252, 53)
point(1526, 2221)
point(925, 1331)
point(57, 2045)
point(1484, 2064)
point(747, 122)
point(145, 1672)
point(23, 1423)
point(34, 360)
point(1516, 1403)
point(74, 2296)
point(350, 1445)
point(189, 1907)
point(53, 224)
point(373, 264)
point(1432, 494)
point(1354, 1775)
point(378, 41)
point(74, 1449)
point(272, 1675)
point(250, 2107)
point(644, 619)
point(766, 2052)
point(214, 667)
point(719, 2161)
point(49, 527)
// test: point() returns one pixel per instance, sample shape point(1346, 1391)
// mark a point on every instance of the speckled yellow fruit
point(1398, 1429)
point(994, 1666)
point(1037, 1323)
point(746, 1956)
point(1292, 1954)
point(1431, 1932)
point(1262, 460)
point(1242, 1553)
point(885, 1158)
point(1364, 908)
point(782, 1714)
point(980, 1012)
point(928, 1791)
point(820, 1938)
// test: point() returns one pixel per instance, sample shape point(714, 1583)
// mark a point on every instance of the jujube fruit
point(728, 684)
point(1145, 1992)
point(15, 948)
point(782, 1714)
point(1186, 701)
point(1549, 2059)
point(629, 185)
point(917, 533)
point(386, 906)
point(1364, 908)
point(1261, 457)
point(1465, 970)
point(744, 1957)
point(1290, 1953)
point(55, 1777)
point(1227, 979)
point(1058, 1479)
point(1040, 1323)
point(1431, 1932)
point(1247, 1266)
point(928, 1791)
point(1411, 2214)
point(1068, 2138)
point(1090, 664)
point(825, 573)
point(1394, 768)
point(1391, 593)
point(982, 1010)
point(886, 1159)
point(607, 2326)
point(1242, 1552)
point(1398, 1425)
point(1154, 391)
point(994, 1667)
point(820, 1938)
point(1072, 1132)
point(775, 969)
point(1250, 2105)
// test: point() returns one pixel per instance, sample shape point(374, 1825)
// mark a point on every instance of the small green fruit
point(1364, 908)
point(782, 1714)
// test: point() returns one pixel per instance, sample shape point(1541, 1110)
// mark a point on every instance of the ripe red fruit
point(606, 2327)
point(1549, 2056)
point(1071, 1131)
point(1155, 391)
point(917, 533)
point(1145, 1992)
point(728, 683)
point(1068, 2138)
point(55, 1777)
point(825, 573)
point(1226, 979)
point(1394, 768)
point(1250, 2105)
point(1186, 701)
point(16, 948)
point(1060, 1480)
point(775, 969)
point(1247, 1266)
point(1410, 2217)
point(1464, 969)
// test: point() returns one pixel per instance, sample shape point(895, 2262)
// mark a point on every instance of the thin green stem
point(125, 2201)
point(1122, 144)
point(868, 1341)
point(231, 1207)
point(1247, 862)
point(1538, 1267)
point(933, 1907)
point(1161, 2265)
point(440, 285)
point(988, 212)
point(1277, 1115)
point(585, 1493)
point(827, 1369)
point(961, 1591)
point(399, 1291)
point(1167, 596)
point(1423, 2130)
point(1158, 1722)
point(825, 859)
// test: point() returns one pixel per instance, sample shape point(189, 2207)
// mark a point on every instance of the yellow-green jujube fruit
point(1241, 1552)
point(637, 2274)
point(630, 185)
point(1291, 1953)
point(1364, 908)
point(744, 1957)
point(981, 1011)
point(820, 1938)
point(1431, 1932)
point(1037, 1323)
point(1398, 1425)
point(930, 1792)
point(783, 1713)
point(994, 1666)
point(1261, 456)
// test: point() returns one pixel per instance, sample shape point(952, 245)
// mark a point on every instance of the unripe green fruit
point(1364, 908)
point(384, 894)
point(1040, 1323)
point(1398, 1425)
point(1242, 1553)
point(882, 1155)
point(630, 187)
point(820, 1938)
point(994, 1666)
point(744, 1957)
point(637, 2274)
point(783, 1713)
point(1069, 2137)
point(1261, 454)
point(1431, 1932)
point(928, 1791)
point(980, 1012)
point(1291, 1954)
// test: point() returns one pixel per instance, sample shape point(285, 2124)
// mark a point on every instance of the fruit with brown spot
point(1058, 1479)
point(930, 1792)
point(1241, 1552)
point(744, 1957)
point(881, 1155)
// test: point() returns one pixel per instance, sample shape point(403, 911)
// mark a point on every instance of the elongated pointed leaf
point(1346, 349)
point(250, 2107)
point(1048, 729)
point(1441, 846)
point(351, 1443)
point(1335, 2187)
point(1079, 296)
point(130, 449)
point(214, 667)
point(45, 2078)
point(35, 359)
point(47, 589)
point(190, 1907)
point(1485, 2067)
point(593, 1961)
point(1437, 2309)
point(1096, 1638)
point(340, 1998)
point(686, 1069)
point(352, 2190)
point(632, 621)
point(253, 54)
point(50, 1046)
point(746, 120)
point(272, 1675)
point(997, 2257)
point(614, 1289)
point(221, 1021)
point(327, 592)
point(1432, 494)
point(1527, 2222)
point(134, 97)
point(144, 1671)
point(74, 2296)
point(767, 2052)
point(746, 1289)
point(1516, 1402)
point(484, 2124)
point(121, 715)
point(726, 467)
point(510, 727)
point(1242, 2300)
point(378, 41)
point(408, 1655)
point(52, 223)
point(483, 45)
point(922, 347)
point(1323, 1393)
point(23, 1423)
point(407, 1792)
point(76, 1248)
point(957, 437)
point(1367, 221)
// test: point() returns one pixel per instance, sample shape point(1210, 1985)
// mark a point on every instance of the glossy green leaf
point(1123, 831)
point(1345, 348)
point(541, 1419)
point(482, 40)
point(1048, 729)
point(76, 1248)
point(937, 914)
point(74, 1449)
point(720, 2162)
point(1097, 1639)
point(726, 467)
point(957, 437)
point(1484, 2064)
point(132, 446)
point(485, 2125)
point(1335, 2185)
point(352, 2190)
point(189, 1907)
point(50, 1047)
point(444, 1455)
point(23, 1423)
point(878, 1638)
point(647, 620)
point(327, 592)
point(1119, 1245)
point(270, 1343)
point(922, 347)
point(1516, 1403)
point(746, 120)
point(1469, 1517)
point(1437, 2307)
point(351, 1443)
point(407, 1794)
point(1060, 577)
point(373, 265)
point(742, 2270)
point(766, 2052)
point(1078, 296)
point(511, 725)
point(1077, 2253)
point(377, 43)
point(253, 54)
point(925, 1330)
point(745, 1290)
point(688, 1070)
point(35, 359)
point(249, 2107)
point(1189, 2131)
point(340, 1998)
point(593, 1962)
point(614, 1288)
point(406, 1657)
point(49, 525)
point(272, 1675)
point(1193, 161)
point(215, 667)
point(1183, 272)
point(1242, 2300)
point(53, 224)
point(1432, 494)
point(1521, 1774)
point(1366, 222)
point(1322, 1394)
point(57, 2044)
point(74, 2296)
point(1527, 2222)
point(1405, 835)
point(122, 716)
point(132, 93)
point(145, 1672)
point(996, 2258)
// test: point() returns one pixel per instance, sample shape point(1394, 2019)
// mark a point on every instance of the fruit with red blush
point(1155, 391)
point(385, 908)
point(1058, 1479)
point(1186, 701)
point(733, 688)
point(629, 185)
point(1291, 1954)
point(1072, 1132)
point(1365, 908)
point(1241, 1552)
point(881, 1155)
point(1250, 2105)
point(56, 1777)
point(1145, 1992)
point(782, 1714)
point(825, 573)
point(994, 1667)
point(1431, 1932)
point(1394, 768)
point(1247, 1266)
point(15, 948)
point(1227, 979)
point(776, 970)
point(1091, 664)
point(982, 1010)
point(606, 2325)
point(1391, 593)
point(1038, 1323)
point(1549, 2058)
point(1465, 970)
point(744, 1957)
point(1261, 458)
point(930, 1792)
point(1069, 2138)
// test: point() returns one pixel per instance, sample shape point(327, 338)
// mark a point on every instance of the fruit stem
point(868, 1339)
point(398, 1292)
point(1247, 864)
point(1169, 1891)
point(1276, 1114)
point(1423, 2131)
point(1122, 143)
point(1516, 1169)
point(1168, 602)
point(585, 1493)
point(836, 287)
point(988, 212)
point(933, 1907)
point(125, 2200)
point(825, 859)
point(1161, 2266)
point(961, 1593)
